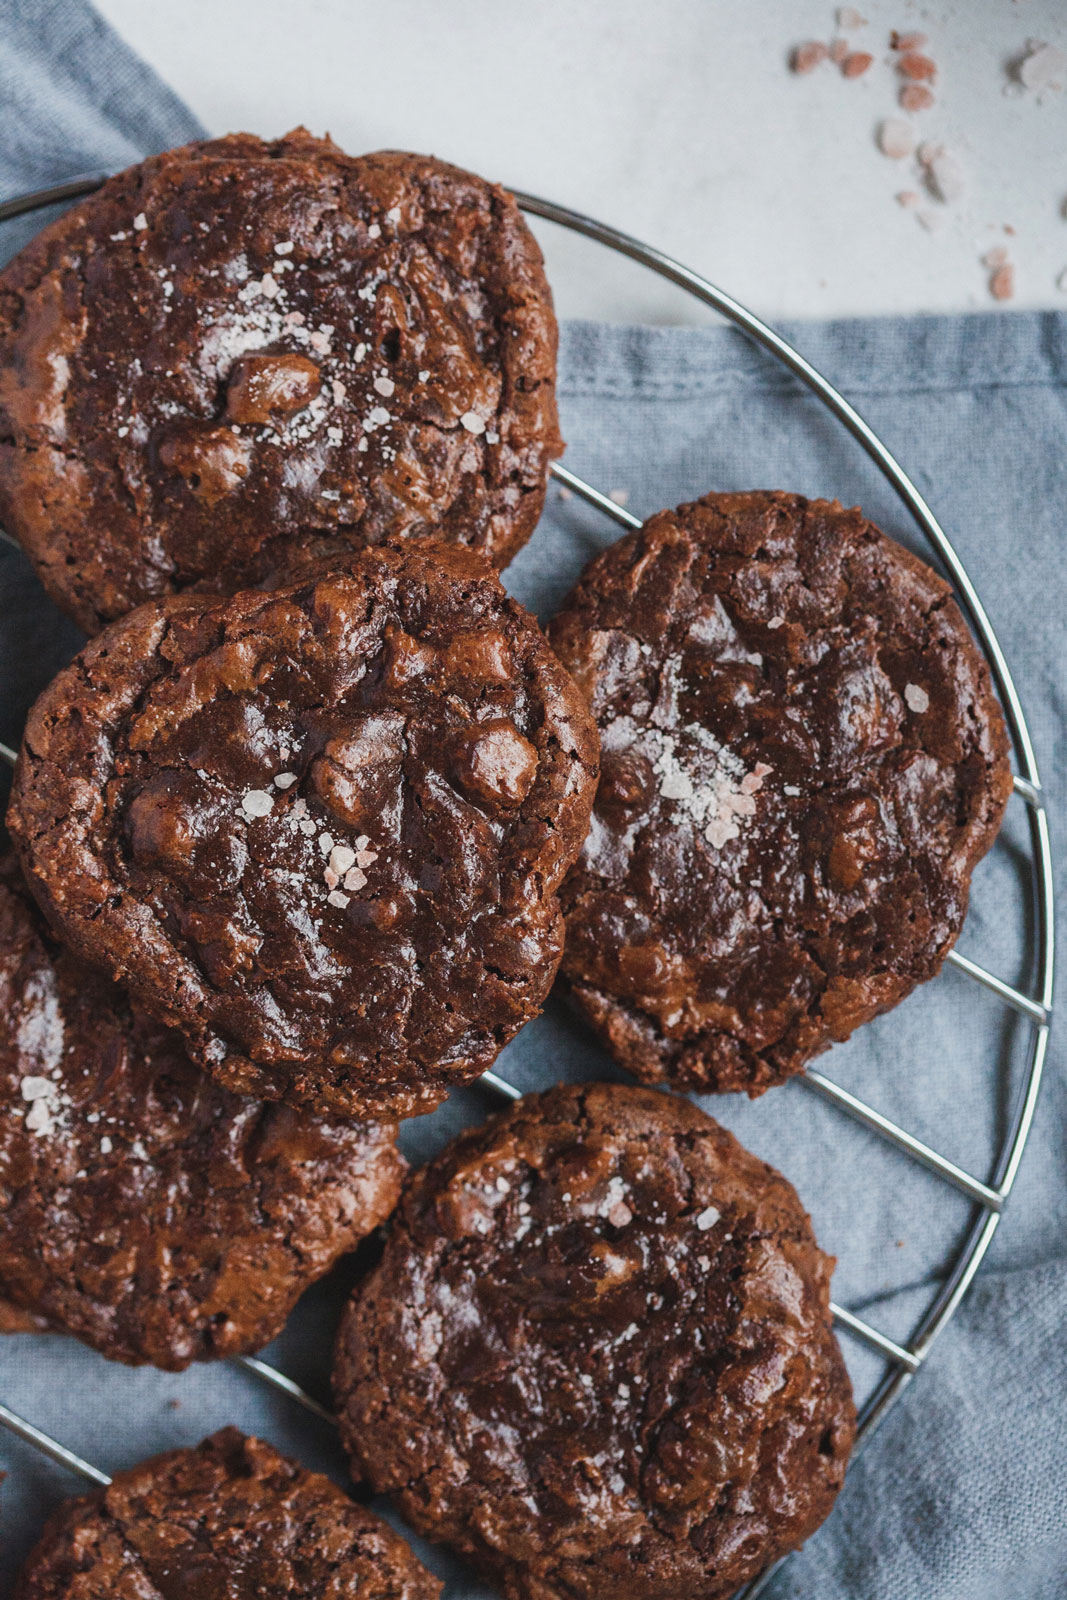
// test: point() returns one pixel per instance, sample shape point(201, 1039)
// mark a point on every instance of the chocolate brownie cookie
point(320, 830)
point(142, 1207)
point(229, 1520)
point(239, 350)
point(596, 1357)
point(803, 762)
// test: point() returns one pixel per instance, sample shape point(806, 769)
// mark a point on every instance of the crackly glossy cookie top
point(229, 1520)
point(320, 830)
point(802, 762)
point(240, 350)
point(143, 1207)
point(597, 1356)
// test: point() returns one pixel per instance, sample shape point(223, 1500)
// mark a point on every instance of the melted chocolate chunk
point(320, 830)
point(240, 351)
point(229, 1520)
point(596, 1357)
point(802, 763)
point(142, 1207)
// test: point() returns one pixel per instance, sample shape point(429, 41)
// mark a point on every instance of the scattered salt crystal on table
point(997, 257)
point(919, 68)
point(849, 18)
point(1002, 283)
point(907, 41)
point(808, 56)
point(619, 496)
point(946, 177)
point(1043, 68)
point(855, 65)
point(896, 139)
point(916, 97)
point(838, 51)
point(907, 198)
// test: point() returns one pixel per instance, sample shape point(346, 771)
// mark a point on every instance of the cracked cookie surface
point(596, 1356)
point(229, 1520)
point(240, 351)
point(802, 763)
point(320, 830)
point(142, 1207)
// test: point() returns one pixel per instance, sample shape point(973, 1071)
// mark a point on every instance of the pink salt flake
point(719, 832)
point(906, 41)
point(806, 57)
point(354, 879)
point(997, 257)
point(294, 319)
point(336, 898)
point(907, 198)
point(366, 858)
point(896, 139)
point(916, 97)
point(855, 65)
point(928, 152)
point(363, 841)
point(776, 622)
point(332, 878)
point(318, 341)
point(838, 51)
point(1002, 283)
point(917, 67)
point(338, 391)
point(850, 19)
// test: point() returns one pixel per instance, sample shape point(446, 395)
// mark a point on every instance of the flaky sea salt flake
point(896, 139)
point(917, 698)
point(257, 803)
point(708, 1218)
point(472, 422)
point(336, 898)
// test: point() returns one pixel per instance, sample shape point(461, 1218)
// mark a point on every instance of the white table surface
point(677, 120)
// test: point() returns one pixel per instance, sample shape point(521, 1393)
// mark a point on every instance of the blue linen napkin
point(960, 1495)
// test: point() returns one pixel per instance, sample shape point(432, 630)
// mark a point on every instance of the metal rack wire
point(988, 1196)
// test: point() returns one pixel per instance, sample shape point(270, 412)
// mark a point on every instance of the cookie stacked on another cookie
point(596, 1357)
point(802, 763)
point(231, 1520)
point(242, 350)
point(143, 1208)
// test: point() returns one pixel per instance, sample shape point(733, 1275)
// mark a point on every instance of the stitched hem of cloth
point(861, 356)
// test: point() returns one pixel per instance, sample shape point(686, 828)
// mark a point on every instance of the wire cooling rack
point(989, 1197)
